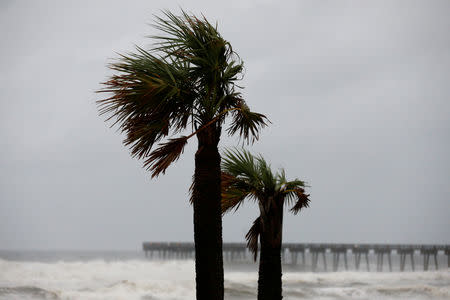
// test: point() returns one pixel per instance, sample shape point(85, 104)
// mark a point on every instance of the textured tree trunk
point(207, 217)
point(269, 277)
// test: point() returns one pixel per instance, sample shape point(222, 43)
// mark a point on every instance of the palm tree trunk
point(207, 217)
point(269, 275)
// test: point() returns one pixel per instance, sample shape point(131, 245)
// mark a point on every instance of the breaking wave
point(170, 280)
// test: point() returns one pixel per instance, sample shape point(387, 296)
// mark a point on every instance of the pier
point(408, 256)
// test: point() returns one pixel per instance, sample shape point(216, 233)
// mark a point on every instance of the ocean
point(129, 275)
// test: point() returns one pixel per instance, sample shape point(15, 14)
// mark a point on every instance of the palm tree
point(187, 81)
point(245, 176)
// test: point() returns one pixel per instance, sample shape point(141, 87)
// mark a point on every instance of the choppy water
point(83, 275)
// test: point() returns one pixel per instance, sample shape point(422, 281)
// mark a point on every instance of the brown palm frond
point(142, 132)
point(226, 180)
point(252, 237)
point(302, 200)
point(161, 158)
point(232, 199)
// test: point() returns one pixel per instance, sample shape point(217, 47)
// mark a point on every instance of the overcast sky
point(357, 91)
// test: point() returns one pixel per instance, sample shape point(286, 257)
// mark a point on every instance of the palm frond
point(252, 237)
point(247, 123)
point(252, 173)
point(240, 179)
point(226, 180)
point(292, 184)
point(186, 80)
point(249, 176)
point(187, 37)
point(266, 176)
point(302, 200)
point(161, 158)
point(234, 192)
point(290, 188)
point(240, 163)
point(211, 58)
point(232, 199)
point(149, 99)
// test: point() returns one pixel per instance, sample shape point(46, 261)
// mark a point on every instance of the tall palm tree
point(187, 81)
point(245, 176)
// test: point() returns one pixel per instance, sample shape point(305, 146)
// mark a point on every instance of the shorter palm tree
point(245, 176)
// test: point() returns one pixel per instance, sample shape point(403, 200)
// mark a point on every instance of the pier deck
point(237, 252)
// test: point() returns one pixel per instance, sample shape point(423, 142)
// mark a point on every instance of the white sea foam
point(151, 280)
point(102, 280)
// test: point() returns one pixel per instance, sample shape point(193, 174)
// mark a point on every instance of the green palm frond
point(211, 59)
point(266, 175)
point(191, 38)
point(232, 71)
point(247, 123)
point(234, 191)
point(247, 176)
point(252, 237)
point(240, 179)
point(240, 164)
point(302, 200)
point(294, 193)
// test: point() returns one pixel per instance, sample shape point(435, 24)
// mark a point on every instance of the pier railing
point(406, 254)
